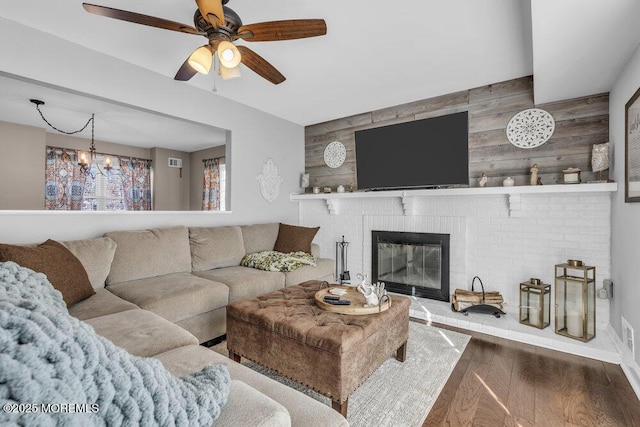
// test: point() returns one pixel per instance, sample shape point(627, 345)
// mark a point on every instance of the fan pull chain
point(215, 73)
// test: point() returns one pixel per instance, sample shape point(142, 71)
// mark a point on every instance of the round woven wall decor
point(530, 128)
point(334, 154)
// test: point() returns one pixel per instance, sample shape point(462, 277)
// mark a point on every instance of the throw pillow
point(292, 238)
point(62, 268)
point(52, 359)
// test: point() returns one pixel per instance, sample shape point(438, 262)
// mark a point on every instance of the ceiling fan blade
point(137, 18)
point(283, 30)
point(185, 72)
point(212, 11)
point(260, 66)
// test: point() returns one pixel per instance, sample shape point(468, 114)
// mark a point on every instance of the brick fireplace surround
point(502, 235)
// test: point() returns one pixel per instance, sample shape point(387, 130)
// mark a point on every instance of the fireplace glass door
point(412, 263)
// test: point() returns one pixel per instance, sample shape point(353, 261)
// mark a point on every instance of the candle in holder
point(574, 323)
point(534, 315)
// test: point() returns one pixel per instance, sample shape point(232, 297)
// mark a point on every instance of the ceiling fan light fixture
point(201, 59)
point(230, 73)
point(228, 54)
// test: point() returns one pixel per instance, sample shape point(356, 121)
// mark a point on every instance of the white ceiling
point(376, 53)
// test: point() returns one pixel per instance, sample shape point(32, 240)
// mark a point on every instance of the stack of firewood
point(463, 299)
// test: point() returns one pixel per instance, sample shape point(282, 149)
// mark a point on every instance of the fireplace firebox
point(411, 263)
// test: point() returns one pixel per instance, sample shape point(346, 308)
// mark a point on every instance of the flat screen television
point(426, 153)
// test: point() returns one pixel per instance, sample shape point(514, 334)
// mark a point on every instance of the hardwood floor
point(499, 382)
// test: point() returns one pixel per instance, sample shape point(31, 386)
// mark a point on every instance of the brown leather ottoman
point(328, 352)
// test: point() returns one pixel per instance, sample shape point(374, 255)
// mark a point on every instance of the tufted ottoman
point(331, 353)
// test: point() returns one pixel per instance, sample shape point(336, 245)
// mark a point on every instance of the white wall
point(255, 135)
point(625, 237)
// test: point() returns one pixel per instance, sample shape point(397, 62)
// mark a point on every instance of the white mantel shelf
point(407, 197)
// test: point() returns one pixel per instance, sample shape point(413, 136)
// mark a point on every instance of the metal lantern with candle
point(535, 303)
point(576, 300)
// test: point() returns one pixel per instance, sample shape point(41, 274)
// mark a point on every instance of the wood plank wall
point(580, 123)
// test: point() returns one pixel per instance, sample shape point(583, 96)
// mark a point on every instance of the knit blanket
point(55, 370)
point(277, 261)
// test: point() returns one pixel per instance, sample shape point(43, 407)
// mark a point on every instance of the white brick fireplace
point(503, 235)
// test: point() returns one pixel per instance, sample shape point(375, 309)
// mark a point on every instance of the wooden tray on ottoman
point(331, 353)
point(356, 308)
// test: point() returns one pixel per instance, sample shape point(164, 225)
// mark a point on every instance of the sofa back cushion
point(96, 256)
point(259, 237)
point(215, 247)
point(149, 253)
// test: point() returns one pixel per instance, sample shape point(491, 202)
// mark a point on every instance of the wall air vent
point(627, 336)
point(175, 163)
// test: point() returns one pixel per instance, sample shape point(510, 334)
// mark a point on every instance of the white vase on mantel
point(508, 182)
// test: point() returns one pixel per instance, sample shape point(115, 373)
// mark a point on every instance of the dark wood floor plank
point(465, 403)
point(544, 388)
point(438, 413)
point(549, 399)
point(492, 409)
point(521, 401)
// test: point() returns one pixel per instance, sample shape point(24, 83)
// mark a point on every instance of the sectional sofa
point(162, 292)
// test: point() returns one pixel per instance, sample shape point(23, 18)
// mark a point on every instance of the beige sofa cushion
point(96, 256)
point(304, 410)
point(315, 250)
point(100, 304)
point(245, 282)
point(248, 407)
point(215, 247)
point(141, 332)
point(149, 253)
point(259, 237)
point(174, 296)
point(324, 267)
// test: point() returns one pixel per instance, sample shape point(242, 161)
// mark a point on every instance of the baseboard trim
point(628, 364)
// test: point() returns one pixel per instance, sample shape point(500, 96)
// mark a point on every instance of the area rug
point(398, 394)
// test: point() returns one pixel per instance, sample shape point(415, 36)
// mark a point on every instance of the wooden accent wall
point(580, 123)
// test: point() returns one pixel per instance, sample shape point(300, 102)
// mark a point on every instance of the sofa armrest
point(315, 250)
point(248, 407)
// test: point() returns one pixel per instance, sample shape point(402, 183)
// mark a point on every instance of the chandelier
point(86, 161)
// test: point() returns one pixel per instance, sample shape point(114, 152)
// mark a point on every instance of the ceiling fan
point(222, 26)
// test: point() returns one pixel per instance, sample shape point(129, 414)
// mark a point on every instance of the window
point(104, 192)
point(125, 187)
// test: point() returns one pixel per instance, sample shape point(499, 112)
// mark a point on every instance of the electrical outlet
point(628, 336)
point(608, 285)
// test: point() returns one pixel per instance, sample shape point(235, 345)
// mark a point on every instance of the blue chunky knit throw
point(47, 357)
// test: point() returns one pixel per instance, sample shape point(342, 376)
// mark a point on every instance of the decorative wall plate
point(269, 180)
point(334, 154)
point(530, 128)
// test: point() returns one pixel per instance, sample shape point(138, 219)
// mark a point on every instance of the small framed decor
point(632, 149)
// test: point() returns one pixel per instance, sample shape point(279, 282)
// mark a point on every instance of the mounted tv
point(428, 153)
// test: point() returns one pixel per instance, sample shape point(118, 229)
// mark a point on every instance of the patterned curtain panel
point(136, 183)
point(211, 185)
point(64, 181)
